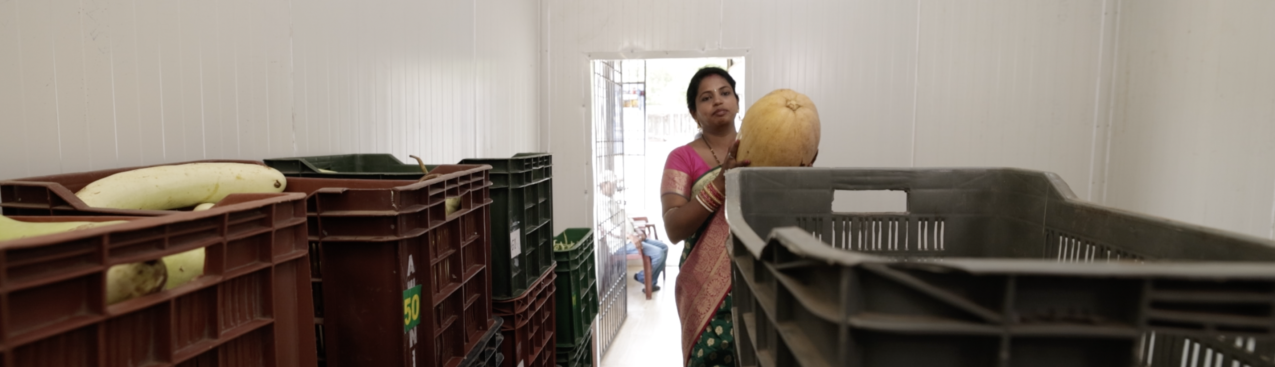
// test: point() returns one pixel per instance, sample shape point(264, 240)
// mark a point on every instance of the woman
point(693, 195)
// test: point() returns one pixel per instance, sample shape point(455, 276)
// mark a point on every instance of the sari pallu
point(703, 290)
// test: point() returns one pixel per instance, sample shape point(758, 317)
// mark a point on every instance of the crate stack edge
point(577, 298)
point(251, 306)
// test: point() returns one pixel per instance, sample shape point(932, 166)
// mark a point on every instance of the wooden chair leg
point(646, 268)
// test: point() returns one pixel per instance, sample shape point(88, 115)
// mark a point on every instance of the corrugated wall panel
point(1195, 113)
point(1009, 84)
point(507, 39)
point(925, 83)
point(12, 146)
point(107, 83)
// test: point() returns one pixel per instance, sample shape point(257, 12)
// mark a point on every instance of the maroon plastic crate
point(380, 242)
point(367, 224)
point(250, 308)
point(529, 325)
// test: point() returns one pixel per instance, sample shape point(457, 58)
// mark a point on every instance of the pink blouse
point(681, 170)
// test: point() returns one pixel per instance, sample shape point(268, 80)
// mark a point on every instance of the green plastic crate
point(577, 355)
point(581, 237)
point(359, 166)
point(520, 170)
point(521, 221)
point(577, 303)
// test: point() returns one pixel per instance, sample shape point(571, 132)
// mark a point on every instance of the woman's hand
point(729, 164)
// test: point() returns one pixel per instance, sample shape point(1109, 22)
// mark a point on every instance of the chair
point(646, 227)
point(646, 267)
point(650, 228)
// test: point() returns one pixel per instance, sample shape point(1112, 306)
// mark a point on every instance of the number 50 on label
point(411, 308)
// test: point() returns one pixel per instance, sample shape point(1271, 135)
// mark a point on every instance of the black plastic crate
point(487, 354)
point(360, 166)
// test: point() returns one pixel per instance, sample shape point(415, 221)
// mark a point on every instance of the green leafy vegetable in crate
point(562, 246)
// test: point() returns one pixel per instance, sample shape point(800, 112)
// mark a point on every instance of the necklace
point(710, 150)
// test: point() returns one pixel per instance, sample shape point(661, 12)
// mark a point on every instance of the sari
point(703, 283)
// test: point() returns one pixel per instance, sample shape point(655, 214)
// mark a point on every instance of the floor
point(651, 335)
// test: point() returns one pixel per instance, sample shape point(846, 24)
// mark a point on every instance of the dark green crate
point(359, 166)
point(574, 320)
point(522, 213)
point(520, 170)
point(577, 302)
point(576, 355)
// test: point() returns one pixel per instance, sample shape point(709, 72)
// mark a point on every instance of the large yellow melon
point(780, 130)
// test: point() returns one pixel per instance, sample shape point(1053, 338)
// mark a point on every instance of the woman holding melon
point(782, 129)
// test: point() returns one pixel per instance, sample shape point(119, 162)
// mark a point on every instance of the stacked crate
point(530, 330)
point(251, 306)
point(518, 229)
point(390, 256)
point(577, 300)
point(521, 221)
point(522, 256)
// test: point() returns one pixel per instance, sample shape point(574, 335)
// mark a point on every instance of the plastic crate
point(521, 220)
point(577, 355)
point(372, 223)
point(55, 194)
point(381, 242)
point(529, 325)
point(522, 206)
point(487, 354)
point(358, 166)
point(577, 299)
point(986, 267)
point(250, 308)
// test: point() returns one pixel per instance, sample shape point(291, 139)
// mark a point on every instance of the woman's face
point(716, 103)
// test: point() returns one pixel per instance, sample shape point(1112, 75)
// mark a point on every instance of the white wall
point(916, 83)
point(1194, 132)
point(97, 84)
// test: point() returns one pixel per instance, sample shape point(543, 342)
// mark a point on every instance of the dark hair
point(693, 89)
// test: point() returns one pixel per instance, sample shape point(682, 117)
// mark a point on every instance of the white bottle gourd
point(180, 186)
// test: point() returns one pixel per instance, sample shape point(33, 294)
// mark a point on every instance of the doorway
point(639, 116)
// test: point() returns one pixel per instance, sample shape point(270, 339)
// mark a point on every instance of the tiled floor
point(651, 335)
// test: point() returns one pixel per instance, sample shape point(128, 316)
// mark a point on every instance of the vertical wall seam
point(22, 90)
point(916, 78)
point(115, 118)
point(474, 57)
point(292, 71)
point(57, 104)
point(203, 125)
point(181, 83)
point(1111, 100)
point(137, 73)
point(1097, 108)
point(84, 87)
point(163, 122)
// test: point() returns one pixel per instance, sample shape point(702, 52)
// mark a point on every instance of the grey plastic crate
point(987, 267)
